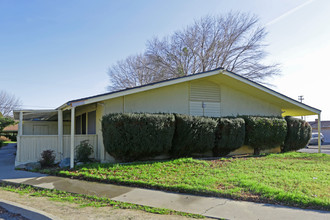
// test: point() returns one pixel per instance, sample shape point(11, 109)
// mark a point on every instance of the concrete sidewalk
point(208, 206)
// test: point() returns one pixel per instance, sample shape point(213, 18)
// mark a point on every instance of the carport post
point(72, 137)
point(319, 131)
point(60, 132)
point(20, 133)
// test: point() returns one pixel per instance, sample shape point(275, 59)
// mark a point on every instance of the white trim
point(35, 110)
point(75, 104)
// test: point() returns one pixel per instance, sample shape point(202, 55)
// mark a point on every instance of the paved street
point(314, 149)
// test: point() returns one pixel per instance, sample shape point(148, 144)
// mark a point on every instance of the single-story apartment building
point(213, 93)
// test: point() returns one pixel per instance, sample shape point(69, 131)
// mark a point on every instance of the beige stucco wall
point(235, 103)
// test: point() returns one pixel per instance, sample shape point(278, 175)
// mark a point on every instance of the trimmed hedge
point(298, 135)
point(136, 136)
point(263, 133)
point(229, 135)
point(193, 134)
point(130, 137)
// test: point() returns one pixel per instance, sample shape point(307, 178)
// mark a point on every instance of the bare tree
point(133, 71)
point(8, 103)
point(234, 41)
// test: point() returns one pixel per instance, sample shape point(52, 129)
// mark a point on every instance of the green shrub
point(193, 134)
point(229, 136)
point(83, 151)
point(5, 121)
point(12, 137)
point(47, 158)
point(129, 137)
point(298, 135)
point(263, 133)
point(1, 143)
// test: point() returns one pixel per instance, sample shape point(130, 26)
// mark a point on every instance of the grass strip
point(85, 200)
point(294, 179)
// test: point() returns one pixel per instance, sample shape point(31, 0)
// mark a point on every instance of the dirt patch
point(66, 210)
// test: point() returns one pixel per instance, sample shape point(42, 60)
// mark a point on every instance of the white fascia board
point(35, 110)
point(150, 87)
point(63, 107)
point(271, 92)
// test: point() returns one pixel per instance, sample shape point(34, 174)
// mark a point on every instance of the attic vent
point(205, 99)
point(204, 91)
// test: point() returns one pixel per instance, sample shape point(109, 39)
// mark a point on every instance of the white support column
point(20, 124)
point(124, 110)
point(20, 133)
point(319, 131)
point(60, 132)
point(72, 136)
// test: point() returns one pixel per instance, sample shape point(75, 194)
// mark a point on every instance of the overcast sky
point(53, 51)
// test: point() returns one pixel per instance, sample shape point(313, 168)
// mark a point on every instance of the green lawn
point(296, 179)
point(5, 143)
point(9, 142)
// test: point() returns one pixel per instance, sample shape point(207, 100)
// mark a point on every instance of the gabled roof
point(289, 106)
point(128, 91)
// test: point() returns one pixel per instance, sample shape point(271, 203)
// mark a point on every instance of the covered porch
point(58, 130)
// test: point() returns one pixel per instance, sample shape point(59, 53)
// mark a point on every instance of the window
point(92, 122)
point(86, 123)
point(78, 124)
point(83, 123)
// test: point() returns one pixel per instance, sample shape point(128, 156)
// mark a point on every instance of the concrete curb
point(25, 211)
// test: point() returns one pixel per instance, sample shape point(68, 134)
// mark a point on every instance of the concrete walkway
point(208, 206)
